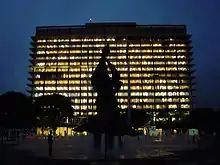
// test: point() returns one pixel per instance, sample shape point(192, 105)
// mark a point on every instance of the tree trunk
point(2, 136)
point(120, 143)
point(110, 141)
point(42, 131)
point(67, 130)
point(97, 141)
point(217, 146)
point(17, 137)
point(106, 146)
point(54, 128)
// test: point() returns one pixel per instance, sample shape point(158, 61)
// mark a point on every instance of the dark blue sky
point(19, 19)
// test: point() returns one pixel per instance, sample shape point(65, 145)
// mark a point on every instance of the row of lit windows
point(157, 81)
point(121, 100)
point(148, 51)
point(122, 105)
point(159, 93)
point(85, 40)
point(77, 87)
point(49, 82)
point(111, 51)
point(82, 70)
point(58, 69)
point(110, 45)
point(111, 57)
point(156, 75)
point(64, 88)
point(125, 94)
point(131, 87)
point(93, 107)
point(114, 63)
point(84, 107)
point(124, 101)
point(122, 75)
point(54, 65)
point(63, 57)
point(88, 39)
point(185, 106)
point(151, 100)
point(53, 68)
point(163, 87)
point(75, 40)
point(143, 75)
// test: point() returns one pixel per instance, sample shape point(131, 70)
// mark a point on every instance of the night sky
point(19, 19)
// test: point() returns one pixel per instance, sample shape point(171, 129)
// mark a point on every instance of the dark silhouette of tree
point(216, 121)
point(16, 112)
point(206, 120)
point(139, 118)
point(202, 119)
point(52, 110)
point(93, 126)
point(168, 114)
point(217, 131)
point(167, 122)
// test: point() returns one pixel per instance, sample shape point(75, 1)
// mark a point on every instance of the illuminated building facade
point(154, 62)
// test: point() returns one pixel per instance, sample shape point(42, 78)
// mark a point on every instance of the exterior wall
point(155, 69)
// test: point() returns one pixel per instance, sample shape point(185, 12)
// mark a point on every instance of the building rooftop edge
point(120, 24)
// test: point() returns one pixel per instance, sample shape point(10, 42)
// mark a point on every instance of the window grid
point(152, 70)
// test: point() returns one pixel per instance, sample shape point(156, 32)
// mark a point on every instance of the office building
point(155, 62)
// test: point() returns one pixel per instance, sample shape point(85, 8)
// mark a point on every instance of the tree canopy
point(203, 119)
point(139, 118)
point(16, 111)
point(52, 110)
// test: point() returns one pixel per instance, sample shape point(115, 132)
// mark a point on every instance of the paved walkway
point(80, 147)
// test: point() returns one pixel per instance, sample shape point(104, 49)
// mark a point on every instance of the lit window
point(75, 40)
point(40, 52)
point(37, 76)
point(173, 93)
point(186, 106)
point(156, 45)
point(172, 106)
point(39, 88)
point(41, 40)
point(184, 100)
point(181, 51)
point(160, 93)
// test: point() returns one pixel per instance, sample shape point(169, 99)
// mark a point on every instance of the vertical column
point(87, 86)
point(80, 71)
point(166, 73)
point(178, 80)
point(117, 60)
point(94, 66)
point(44, 68)
point(57, 60)
point(153, 76)
point(141, 61)
point(69, 67)
point(129, 85)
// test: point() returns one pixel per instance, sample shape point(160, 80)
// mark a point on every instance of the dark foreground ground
point(8, 156)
